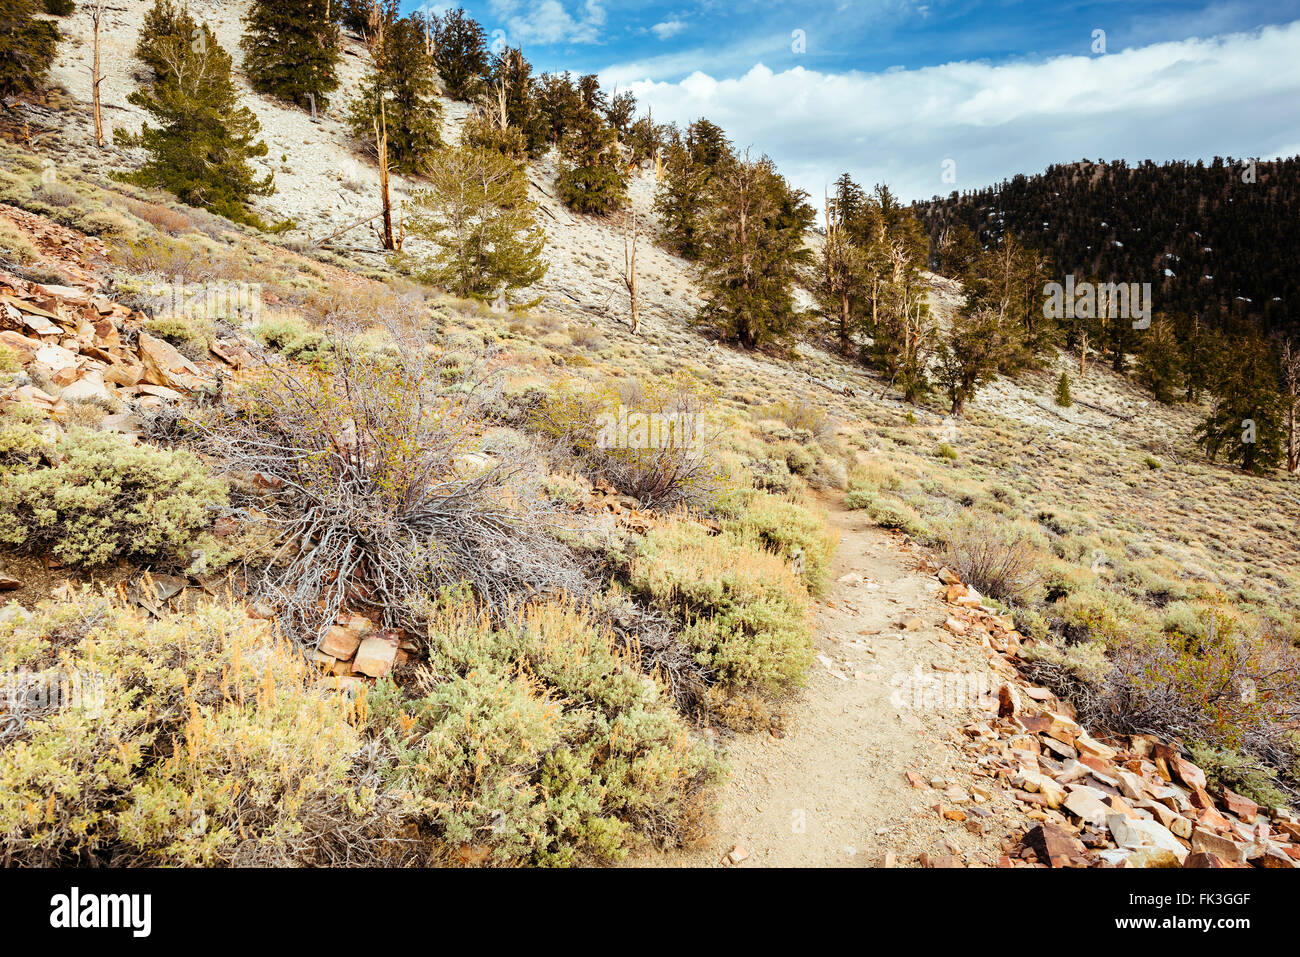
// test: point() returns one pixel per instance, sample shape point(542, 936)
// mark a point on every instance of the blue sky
point(942, 94)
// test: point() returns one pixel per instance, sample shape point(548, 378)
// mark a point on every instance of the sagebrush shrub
point(537, 739)
point(790, 530)
point(745, 611)
point(192, 739)
point(107, 499)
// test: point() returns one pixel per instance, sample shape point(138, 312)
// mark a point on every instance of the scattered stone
point(736, 855)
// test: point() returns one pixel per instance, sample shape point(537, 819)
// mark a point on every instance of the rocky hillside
point(1051, 635)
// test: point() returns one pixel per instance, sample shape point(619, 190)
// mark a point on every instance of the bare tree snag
point(629, 268)
point(96, 77)
point(381, 146)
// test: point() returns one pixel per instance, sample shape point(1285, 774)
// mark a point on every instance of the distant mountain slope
point(1219, 239)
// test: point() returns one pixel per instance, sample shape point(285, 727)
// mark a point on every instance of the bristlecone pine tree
point(404, 78)
point(291, 48)
point(1245, 423)
point(27, 47)
point(691, 161)
point(460, 53)
point(752, 247)
point(201, 147)
point(968, 354)
point(592, 179)
point(1159, 365)
point(476, 211)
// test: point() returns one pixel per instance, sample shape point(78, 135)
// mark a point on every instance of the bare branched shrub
point(1228, 686)
point(999, 559)
point(377, 490)
point(644, 439)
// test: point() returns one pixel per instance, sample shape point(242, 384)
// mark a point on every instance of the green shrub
point(745, 610)
point(946, 451)
point(890, 513)
point(21, 441)
point(108, 499)
point(859, 498)
point(294, 339)
point(191, 337)
point(1226, 768)
point(791, 531)
point(192, 739)
point(539, 740)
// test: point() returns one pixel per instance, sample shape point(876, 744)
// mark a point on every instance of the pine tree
point(476, 211)
point(592, 179)
point(404, 79)
point(558, 105)
point(511, 83)
point(27, 47)
point(201, 148)
point(968, 355)
point(620, 112)
point(1063, 397)
point(1159, 365)
point(291, 49)
point(460, 53)
point(691, 163)
point(752, 248)
point(366, 18)
point(842, 282)
point(1246, 423)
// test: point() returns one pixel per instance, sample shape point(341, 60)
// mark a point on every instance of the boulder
point(165, 366)
point(1138, 835)
point(376, 655)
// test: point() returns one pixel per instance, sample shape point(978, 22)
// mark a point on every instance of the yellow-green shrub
point(790, 530)
point(746, 611)
point(107, 499)
point(194, 740)
point(539, 740)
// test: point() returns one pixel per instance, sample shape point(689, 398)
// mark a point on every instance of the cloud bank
point(1237, 94)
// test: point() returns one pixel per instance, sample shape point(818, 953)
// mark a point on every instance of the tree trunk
point(96, 77)
point(381, 144)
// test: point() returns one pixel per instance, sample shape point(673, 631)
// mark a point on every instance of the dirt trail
point(833, 791)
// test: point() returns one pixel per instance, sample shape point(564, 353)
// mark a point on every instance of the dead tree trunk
point(629, 268)
point(381, 146)
point(96, 77)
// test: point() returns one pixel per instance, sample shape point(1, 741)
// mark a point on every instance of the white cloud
point(669, 28)
point(549, 21)
point(1237, 94)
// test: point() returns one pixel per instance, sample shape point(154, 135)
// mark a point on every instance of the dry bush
point(1000, 560)
point(163, 218)
point(799, 414)
point(1230, 685)
point(643, 439)
point(377, 490)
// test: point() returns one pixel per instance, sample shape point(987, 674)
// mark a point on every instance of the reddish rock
point(1244, 808)
point(1052, 844)
point(1221, 847)
point(376, 655)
